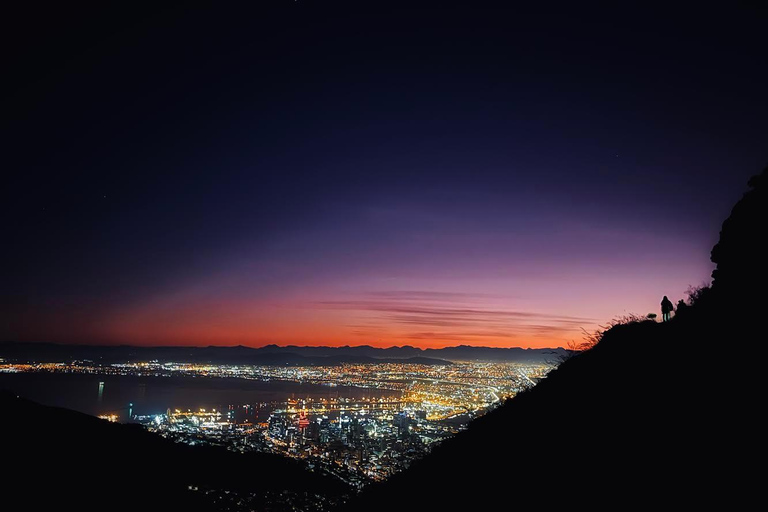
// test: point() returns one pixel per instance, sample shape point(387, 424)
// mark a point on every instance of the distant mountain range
point(273, 354)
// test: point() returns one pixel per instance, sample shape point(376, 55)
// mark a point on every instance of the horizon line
point(271, 345)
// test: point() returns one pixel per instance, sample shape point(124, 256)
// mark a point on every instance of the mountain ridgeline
point(273, 354)
point(656, 415)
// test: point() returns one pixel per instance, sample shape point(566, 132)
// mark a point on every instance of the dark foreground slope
point(57, 459)
point(610, 427)
point(655, 416)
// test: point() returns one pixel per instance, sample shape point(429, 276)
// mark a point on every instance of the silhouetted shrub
point(591, 339)
point(696, 295)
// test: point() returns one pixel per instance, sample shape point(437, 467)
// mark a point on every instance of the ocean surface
point(128, 395)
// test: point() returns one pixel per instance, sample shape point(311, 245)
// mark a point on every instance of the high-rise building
point(303, 420)
point(403, 423)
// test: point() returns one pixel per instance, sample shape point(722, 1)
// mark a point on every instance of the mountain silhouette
point(273, 354)
point(653, 416)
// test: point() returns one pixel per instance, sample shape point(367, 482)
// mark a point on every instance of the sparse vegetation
point(697, 294)
point(590, 339)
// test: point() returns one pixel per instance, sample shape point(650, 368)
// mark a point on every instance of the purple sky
point(431, 178)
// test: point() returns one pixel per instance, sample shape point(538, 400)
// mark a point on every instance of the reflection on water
point(126, 396)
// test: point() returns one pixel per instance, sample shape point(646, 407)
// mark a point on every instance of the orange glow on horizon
point(384, 319)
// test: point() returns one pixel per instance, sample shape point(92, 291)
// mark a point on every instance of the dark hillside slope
point(57, 459)
point(617, 417)
point(656, 415)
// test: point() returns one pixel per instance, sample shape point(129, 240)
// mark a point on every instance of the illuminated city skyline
point(373, 420)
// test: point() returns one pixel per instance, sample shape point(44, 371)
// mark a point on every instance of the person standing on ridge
point(666, 309)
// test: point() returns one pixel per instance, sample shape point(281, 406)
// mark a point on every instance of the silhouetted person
point(666, 309)
point(681, 307)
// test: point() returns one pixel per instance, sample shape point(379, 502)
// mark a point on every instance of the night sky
point(298, 173)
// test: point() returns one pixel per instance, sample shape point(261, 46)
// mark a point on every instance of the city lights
point(356, 433)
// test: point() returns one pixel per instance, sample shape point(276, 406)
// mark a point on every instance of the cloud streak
point(455, 317)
